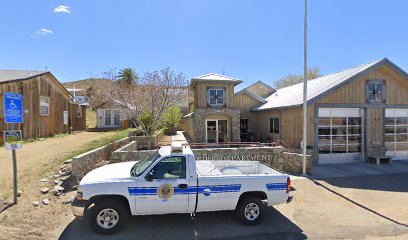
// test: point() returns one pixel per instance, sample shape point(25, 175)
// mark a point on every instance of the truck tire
point(250, 210)
point(108, 216)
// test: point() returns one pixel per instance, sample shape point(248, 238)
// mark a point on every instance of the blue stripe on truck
point(142, 191)
point(276, 186)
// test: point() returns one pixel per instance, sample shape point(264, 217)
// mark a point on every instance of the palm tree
point(128, 76)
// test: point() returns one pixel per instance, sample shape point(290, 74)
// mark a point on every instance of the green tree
point(172, 119)
point(128, 76)
point(293, 79)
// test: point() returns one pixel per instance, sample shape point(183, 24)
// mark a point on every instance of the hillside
point(84, 83)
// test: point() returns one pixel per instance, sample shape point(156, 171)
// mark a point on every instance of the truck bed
point(222, 168)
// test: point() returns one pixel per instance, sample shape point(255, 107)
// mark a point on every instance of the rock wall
point(275, 157)
point(86, 162)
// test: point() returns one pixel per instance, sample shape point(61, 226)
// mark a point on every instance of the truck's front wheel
point(107, 216)
point(250, 210)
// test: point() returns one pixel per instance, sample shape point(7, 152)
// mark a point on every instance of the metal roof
point(15, 75)
point(216, 78)
point(293, 95)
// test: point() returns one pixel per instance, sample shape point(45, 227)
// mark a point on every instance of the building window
point(216, 97)
point(375, 92)
point(243, 125)
point(79, 112)
point(116, 117)
point(44, 106)
point(108, 117)
point(274, 125)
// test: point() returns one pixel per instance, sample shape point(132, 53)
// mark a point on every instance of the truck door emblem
point(165, 191)
point(207, 192)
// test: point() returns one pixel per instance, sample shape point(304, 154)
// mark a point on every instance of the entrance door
point(217, 131)
point(111, 118)
point(339, 135)
point(396, 133)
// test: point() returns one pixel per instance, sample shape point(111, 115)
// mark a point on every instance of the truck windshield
point(141, 166)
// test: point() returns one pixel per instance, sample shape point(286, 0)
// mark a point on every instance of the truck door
point(167, 191)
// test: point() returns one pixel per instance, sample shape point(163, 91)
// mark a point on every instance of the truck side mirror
point(149, 177)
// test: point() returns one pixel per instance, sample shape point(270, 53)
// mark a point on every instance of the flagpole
point(305, 91)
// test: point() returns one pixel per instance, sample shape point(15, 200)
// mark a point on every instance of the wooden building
point(109, 116)
point(215, 118)
point(351, 114)
point(46, 104)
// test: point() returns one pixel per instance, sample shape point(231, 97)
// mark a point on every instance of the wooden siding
point(291, 125)
point(200, 93)
point(245, 103)
point(260, 89)
point(77, 123)
point(355, 91)
point(374, 126)
point(34, 124)
point(351, 93)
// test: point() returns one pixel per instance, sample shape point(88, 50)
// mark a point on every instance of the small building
point(109, 115)
point(215, 118)
point(47, 110)
point(351, 114)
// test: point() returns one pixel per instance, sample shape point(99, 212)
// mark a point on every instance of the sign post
point(13, 113)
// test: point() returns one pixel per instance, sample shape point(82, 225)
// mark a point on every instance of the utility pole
point(305, 92)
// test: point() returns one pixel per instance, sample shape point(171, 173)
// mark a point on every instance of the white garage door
point(396, 133)
point(339, 135)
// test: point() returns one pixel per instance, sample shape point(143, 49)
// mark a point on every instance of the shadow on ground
point(214, 225)
point(386, 182)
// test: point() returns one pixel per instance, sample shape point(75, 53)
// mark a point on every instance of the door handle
point(183, 186)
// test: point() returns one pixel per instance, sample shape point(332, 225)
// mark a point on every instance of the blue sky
point(253, 40)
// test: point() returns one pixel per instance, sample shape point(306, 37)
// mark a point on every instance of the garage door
point(396, 133)
point(339, 135)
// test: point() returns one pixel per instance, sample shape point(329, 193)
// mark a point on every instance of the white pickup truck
point(172, 181)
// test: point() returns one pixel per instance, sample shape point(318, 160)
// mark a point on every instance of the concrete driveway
point(351, 206)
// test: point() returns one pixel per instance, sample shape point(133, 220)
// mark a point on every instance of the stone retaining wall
point(86, 162)
point(275, 157)
point(143, 141)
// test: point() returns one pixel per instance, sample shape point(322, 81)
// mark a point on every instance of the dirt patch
point(37, 160)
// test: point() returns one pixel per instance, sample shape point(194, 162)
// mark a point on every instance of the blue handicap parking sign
point(13, 107)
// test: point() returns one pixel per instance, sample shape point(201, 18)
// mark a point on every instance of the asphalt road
point(215, 225)
point(355, 207)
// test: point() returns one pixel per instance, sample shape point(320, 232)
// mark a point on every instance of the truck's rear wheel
point(107, 216)
point(250, 210)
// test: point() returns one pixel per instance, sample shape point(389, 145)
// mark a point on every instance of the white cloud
point(62, 9)
point(43, 32)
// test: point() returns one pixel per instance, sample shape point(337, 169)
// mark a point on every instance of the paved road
point(219, 225)
point(355, 207)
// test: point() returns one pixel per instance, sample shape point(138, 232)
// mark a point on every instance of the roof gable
point(292, 96)
point(256, 97)
point(259, 82)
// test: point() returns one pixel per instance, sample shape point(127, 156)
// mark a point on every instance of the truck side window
point(170, 167)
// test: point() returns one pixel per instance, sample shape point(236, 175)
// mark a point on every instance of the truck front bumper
point(78, 207)
point(290, 198)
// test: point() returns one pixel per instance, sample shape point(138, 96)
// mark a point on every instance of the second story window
point(375, 92)
point(216, 97)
